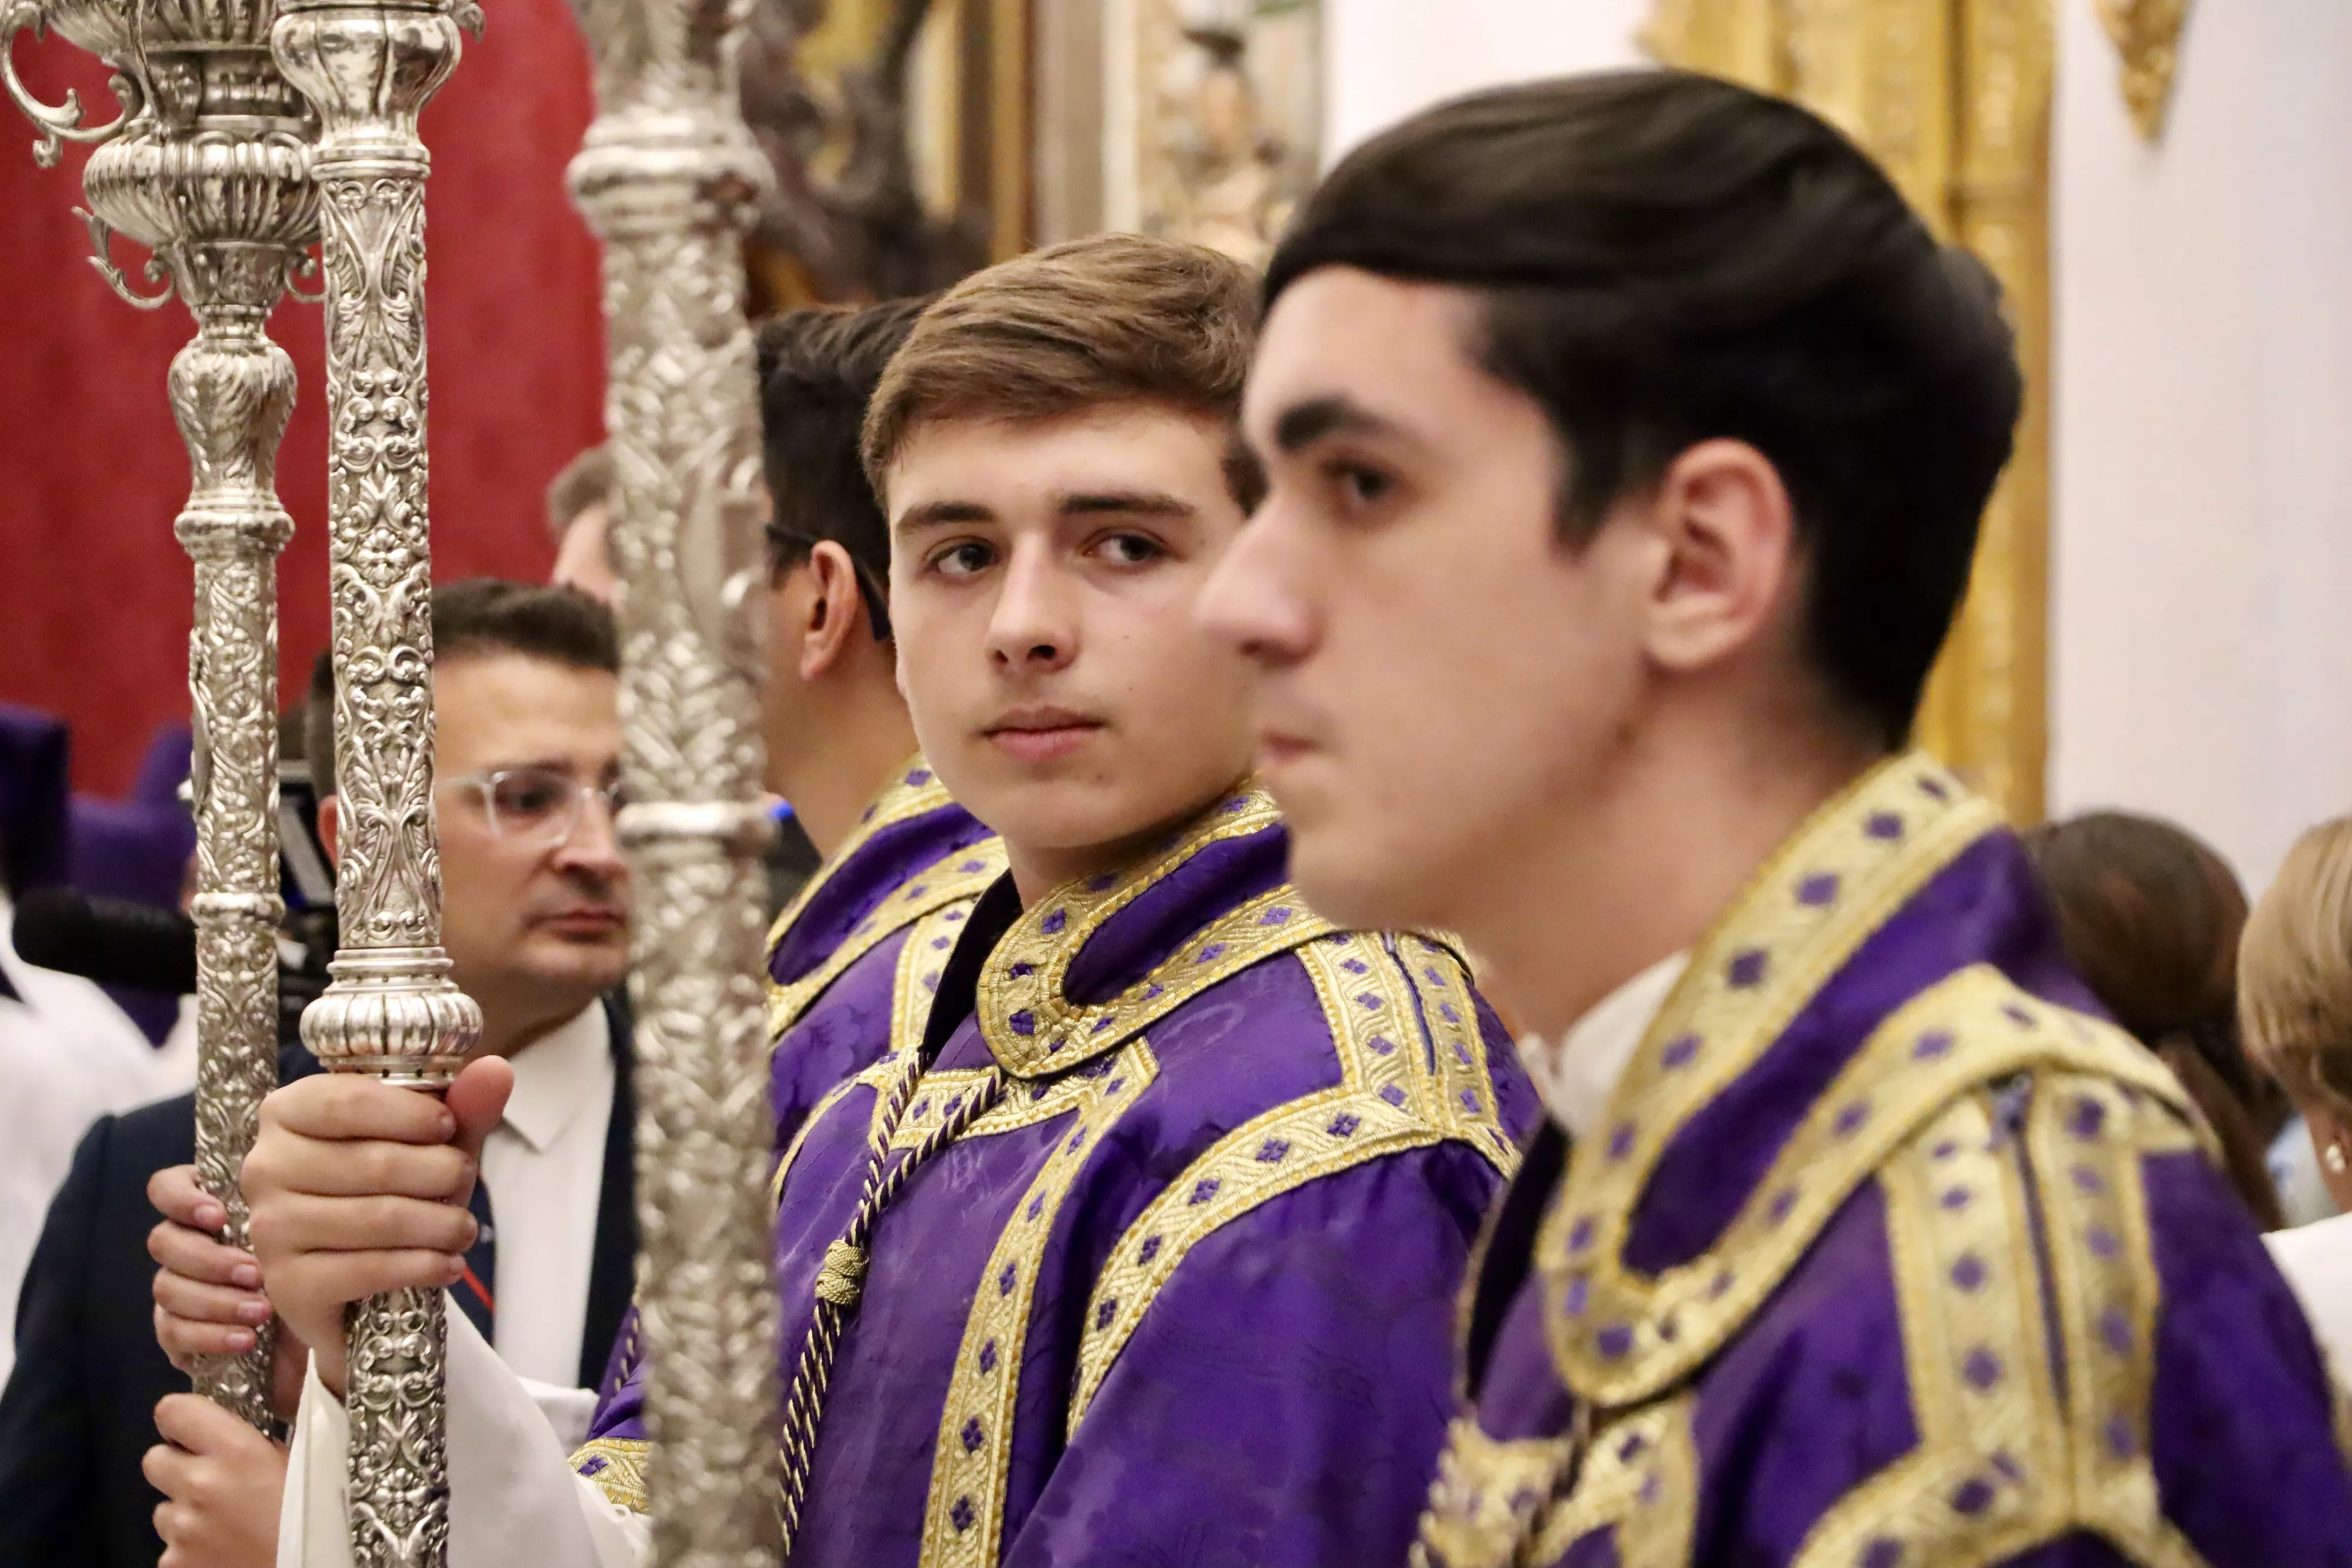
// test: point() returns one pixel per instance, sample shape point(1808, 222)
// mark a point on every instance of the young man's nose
point(1031, 627)
point(1248, 602)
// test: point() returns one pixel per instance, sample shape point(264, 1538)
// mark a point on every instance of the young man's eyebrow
point(1123, 503)
point(940, 514)
point(1304, 423)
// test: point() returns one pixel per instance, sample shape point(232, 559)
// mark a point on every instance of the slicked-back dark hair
point(1666, 258)
point(479, 615)
point(818, 369)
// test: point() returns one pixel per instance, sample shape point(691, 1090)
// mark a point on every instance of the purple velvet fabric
point(1282, 1401)
point(1810, 1399)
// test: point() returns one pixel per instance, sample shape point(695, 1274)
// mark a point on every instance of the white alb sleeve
point(513, 1497)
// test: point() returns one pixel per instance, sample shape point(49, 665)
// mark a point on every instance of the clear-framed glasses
point(538, 804)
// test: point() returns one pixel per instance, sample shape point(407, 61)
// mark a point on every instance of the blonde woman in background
point(2295, 1001)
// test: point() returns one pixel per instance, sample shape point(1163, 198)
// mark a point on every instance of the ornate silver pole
point(369, 67)
point(211, 174)
point(671, 179)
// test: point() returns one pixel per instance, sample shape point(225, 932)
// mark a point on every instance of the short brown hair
point(586, 480)
point(1112, 318)
point(2294, 971)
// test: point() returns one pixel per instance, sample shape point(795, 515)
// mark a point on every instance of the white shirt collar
point(1576, 1077)
point(556, 1077)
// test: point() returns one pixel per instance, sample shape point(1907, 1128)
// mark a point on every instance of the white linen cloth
point(1575, 1077)
point(2316, 1259)
point(513, 1498)
point(68, 1056)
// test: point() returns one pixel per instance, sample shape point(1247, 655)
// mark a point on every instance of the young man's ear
point(331, 821)
point(835, 617)
point(1728, 536)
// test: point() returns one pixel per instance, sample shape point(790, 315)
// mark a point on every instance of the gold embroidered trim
point(1026, 1016)
point(901, 800)
point(2087, 1135)
point(1268, 924)
point(616, 1467)
point(963, 1523)
point(913, 984)
point(1989, 1478)
point(1621, 1338)
point(1388, 1099)
point(1485, 1500)
point(1640, 1479)
point(949, 886)
point(1465, 1084)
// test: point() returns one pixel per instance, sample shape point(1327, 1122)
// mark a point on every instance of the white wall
point(2201, 597)
point(1385, 59)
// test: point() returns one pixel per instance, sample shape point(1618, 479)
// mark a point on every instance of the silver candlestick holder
point(208, 167)
point(670, 180)
point(368, 68)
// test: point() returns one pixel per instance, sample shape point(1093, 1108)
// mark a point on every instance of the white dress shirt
point(544, 1167)
point(67, 1057)
point(1576, 1077)
point(2316, 1259)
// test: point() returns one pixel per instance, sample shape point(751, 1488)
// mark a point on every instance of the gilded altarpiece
point(1953, 97)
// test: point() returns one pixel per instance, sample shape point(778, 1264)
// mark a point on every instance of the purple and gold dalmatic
point(1183, 1292)
point(1890, 1253)
point(833, 952)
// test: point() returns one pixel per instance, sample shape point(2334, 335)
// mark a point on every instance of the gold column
point(1953, 97)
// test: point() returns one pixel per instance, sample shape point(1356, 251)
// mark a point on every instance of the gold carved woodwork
point(2146, 34)
point(1953, 97)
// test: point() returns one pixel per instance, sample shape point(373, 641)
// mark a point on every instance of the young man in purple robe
point(1177, 1181)
point(1627, 439)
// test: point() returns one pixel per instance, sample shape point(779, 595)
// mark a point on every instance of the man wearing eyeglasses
point(535, 921)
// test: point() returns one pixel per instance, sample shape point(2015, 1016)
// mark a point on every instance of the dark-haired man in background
point(1665, 427)
point(535, 898)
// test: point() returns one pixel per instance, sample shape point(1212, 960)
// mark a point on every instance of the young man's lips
point(1043, 743)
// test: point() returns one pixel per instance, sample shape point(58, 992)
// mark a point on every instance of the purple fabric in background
point(879, 868)
point(138, 849)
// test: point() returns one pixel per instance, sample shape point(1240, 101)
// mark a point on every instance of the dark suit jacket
point(79, 1409)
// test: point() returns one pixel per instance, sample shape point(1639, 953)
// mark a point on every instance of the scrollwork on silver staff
point(368, 68)
point(670, 180)
point(209, 168)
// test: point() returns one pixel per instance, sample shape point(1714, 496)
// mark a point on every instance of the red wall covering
point(94, 592)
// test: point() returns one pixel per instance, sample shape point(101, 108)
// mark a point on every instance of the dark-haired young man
point(1627, 439)
point(1140, 1242)
point(840, 745)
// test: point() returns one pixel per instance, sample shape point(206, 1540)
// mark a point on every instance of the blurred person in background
point(68, 1054)
point(579, 513)
point(2150, 916)
point(2295, 1001)
point(534, 899)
